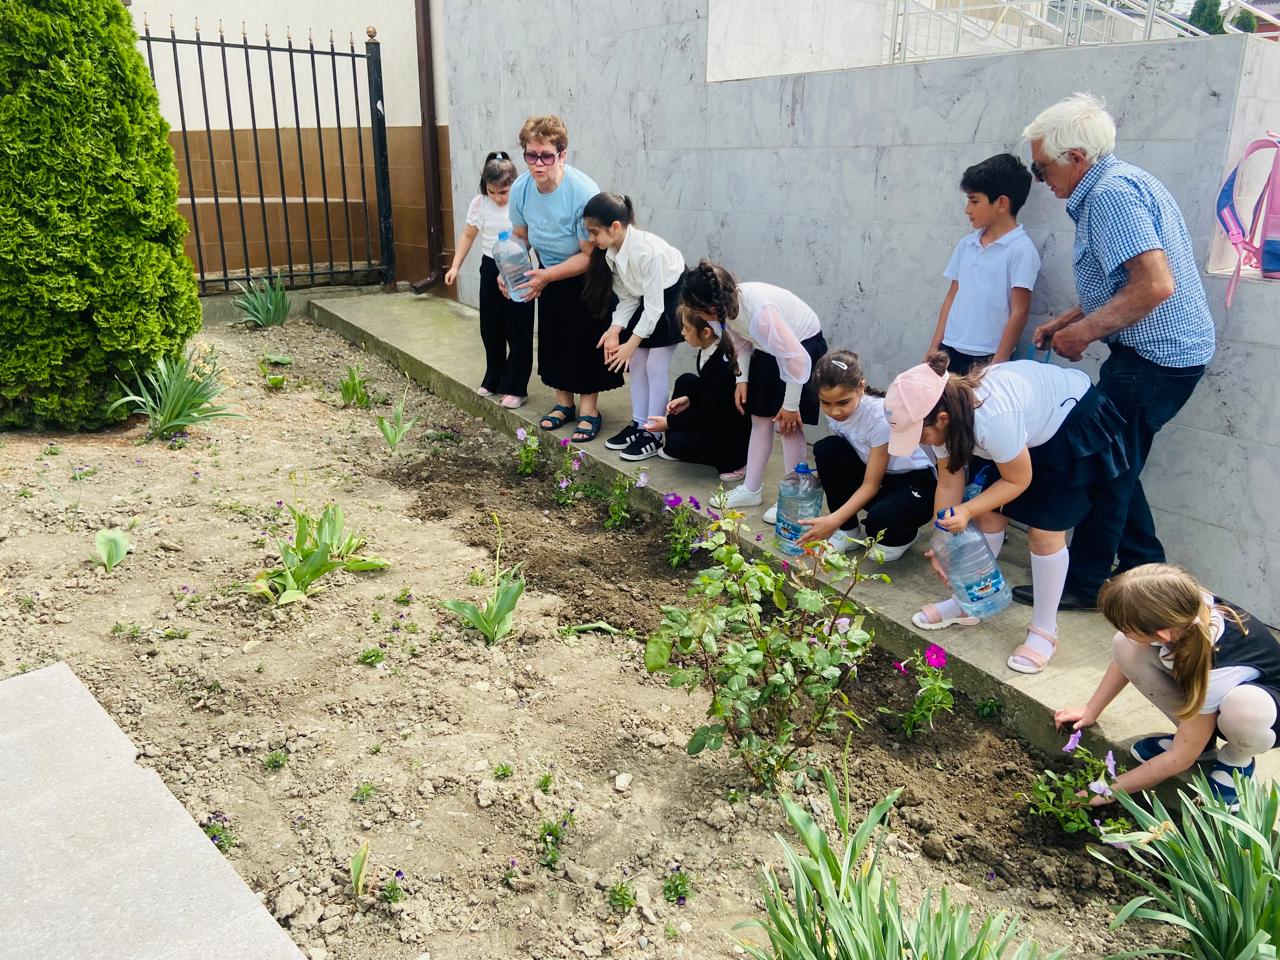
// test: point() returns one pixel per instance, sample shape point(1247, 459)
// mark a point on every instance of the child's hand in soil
point(1078, 717)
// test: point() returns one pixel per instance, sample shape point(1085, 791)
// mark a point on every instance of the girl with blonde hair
point(1210, 667)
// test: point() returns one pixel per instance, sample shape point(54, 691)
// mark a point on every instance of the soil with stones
point(386, 722)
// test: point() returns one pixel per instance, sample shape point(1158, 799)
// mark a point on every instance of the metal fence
point(284, 120)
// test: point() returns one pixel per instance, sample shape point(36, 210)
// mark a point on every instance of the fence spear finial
point(197, 26)
point(220, 31)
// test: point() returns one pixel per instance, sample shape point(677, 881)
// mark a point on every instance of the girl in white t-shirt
point(1052, 436)
point(856, 470)
point(776, 338)
point(640, 273)
point(506, 327)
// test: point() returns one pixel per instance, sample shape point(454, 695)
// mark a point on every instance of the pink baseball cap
point(910, 398)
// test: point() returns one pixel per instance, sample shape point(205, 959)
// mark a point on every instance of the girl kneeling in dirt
point(1211, 668)
point(1051, 434)
point(703, 425)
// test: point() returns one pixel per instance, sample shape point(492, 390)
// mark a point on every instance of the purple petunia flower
point(713, 515)
point(564, 483)
point(759, 537)
point(564, 441)
point(399, 874)
point(672, 500)
point(935, 656)
point(843, 624)
point(1110, 761)
point(693, 502)
point(786, 566)
point(577, 465)
point(642, 480)
point(1100, 788)
point(522, 434)
point(1073, 742)
point(900, 667)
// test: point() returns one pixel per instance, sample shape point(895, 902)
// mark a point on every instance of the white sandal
point(1025, 659)
point(929, 618)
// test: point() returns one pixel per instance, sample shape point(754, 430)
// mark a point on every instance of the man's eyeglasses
point(546, 159)
point(1037, 171)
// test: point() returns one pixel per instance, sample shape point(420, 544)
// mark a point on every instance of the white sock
point(758, 449)
point(639, 376)
point(950, 608)
point(1048, 577)
point(995, 541)
point(658, 372)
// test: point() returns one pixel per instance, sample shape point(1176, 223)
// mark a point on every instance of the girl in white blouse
point(643, 272)
point(506, 327)
point(777, 339)
point(1052, 436)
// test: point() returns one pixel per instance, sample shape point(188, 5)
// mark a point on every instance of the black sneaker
point(622, 439)
point(644, 446)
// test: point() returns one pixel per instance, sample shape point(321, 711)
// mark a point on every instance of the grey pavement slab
point(100, 861)
point(437, 342)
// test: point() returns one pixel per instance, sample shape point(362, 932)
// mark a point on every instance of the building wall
point(843, 186)
point(282, 195)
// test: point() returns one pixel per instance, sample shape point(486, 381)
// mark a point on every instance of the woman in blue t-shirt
point(546, 210)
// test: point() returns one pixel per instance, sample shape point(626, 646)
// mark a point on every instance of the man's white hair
point(1080, 122)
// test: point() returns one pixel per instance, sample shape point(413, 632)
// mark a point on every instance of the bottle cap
point(803, 468)
point(942, 513)
point(504, 234)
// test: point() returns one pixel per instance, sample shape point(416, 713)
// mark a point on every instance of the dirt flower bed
point(297, 733)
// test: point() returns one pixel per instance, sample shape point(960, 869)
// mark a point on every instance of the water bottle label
point(985, 588)
point(789, 533)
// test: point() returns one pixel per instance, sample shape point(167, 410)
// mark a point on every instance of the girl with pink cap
point(1052, 437)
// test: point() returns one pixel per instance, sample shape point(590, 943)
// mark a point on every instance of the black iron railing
point(225, 168)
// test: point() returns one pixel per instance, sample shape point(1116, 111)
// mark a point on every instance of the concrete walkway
point(101, 861)
point(437, 342)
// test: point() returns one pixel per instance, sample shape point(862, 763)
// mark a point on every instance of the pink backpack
point(1254, 249)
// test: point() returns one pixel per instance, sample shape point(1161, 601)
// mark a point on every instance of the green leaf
point(657, 652)
point(809, 601)
point(112, 546)
point(698, 741)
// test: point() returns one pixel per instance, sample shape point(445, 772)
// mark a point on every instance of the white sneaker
point(771, 515)
point(840, 541)
point(737, 498)
point(889, 554)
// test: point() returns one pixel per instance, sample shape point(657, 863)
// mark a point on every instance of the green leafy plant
point(685, 529)
point(264, 304)
point(1212, 874)
point(354, 388)
point(111, 547)
point(545, 781)
point(278, 359)
point(320, 546)
point(677, 887)
point(619, 502)
point(933, 693)
point(364, 792)
point(375, 749)
point(178, 393)
point(396, 429)
point(404, 597)
point(93, 277)
point(621, 896)
point(502, 771)
point(494, 621)
point(989, 709)
point(372, 656)
point(1065, 797)
point(842, 904)
point(567, 482)
point(275, 760)
point(359, 864)
point(391, 891)
point(528, 454)
point(274, 380)
point(774, 666)
point(217, 827)
point(551, 836)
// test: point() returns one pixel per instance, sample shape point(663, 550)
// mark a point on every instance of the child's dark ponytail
point(958, 401)
point(605, 209)
point(842, 368)
point(710, 288)
point(498, 170)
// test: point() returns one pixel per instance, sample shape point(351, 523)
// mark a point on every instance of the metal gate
point(294, 101)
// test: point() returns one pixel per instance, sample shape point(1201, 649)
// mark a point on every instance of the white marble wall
point(844, 187)
point(761, 38)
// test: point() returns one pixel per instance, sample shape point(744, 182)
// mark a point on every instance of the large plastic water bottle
point(976, 581)
point(799, 498)
point(974, 486)
point(513, 263)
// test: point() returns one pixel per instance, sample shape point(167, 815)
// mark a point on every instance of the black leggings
point(903, 504)
point(504, 323)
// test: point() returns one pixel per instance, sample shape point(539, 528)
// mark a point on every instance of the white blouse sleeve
point(771, 330)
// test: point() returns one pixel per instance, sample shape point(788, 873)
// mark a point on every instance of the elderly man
point(1140, 293)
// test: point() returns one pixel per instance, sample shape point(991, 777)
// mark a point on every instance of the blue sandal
point(565, 414)
point(588, 433)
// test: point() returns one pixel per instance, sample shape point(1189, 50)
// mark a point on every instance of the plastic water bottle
point(976, 581)
point(974, 486)
point(799, 498)
point(513, 263)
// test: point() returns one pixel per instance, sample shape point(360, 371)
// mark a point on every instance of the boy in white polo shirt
point(992, 271)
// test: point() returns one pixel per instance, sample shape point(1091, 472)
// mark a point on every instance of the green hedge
point(93, 280)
